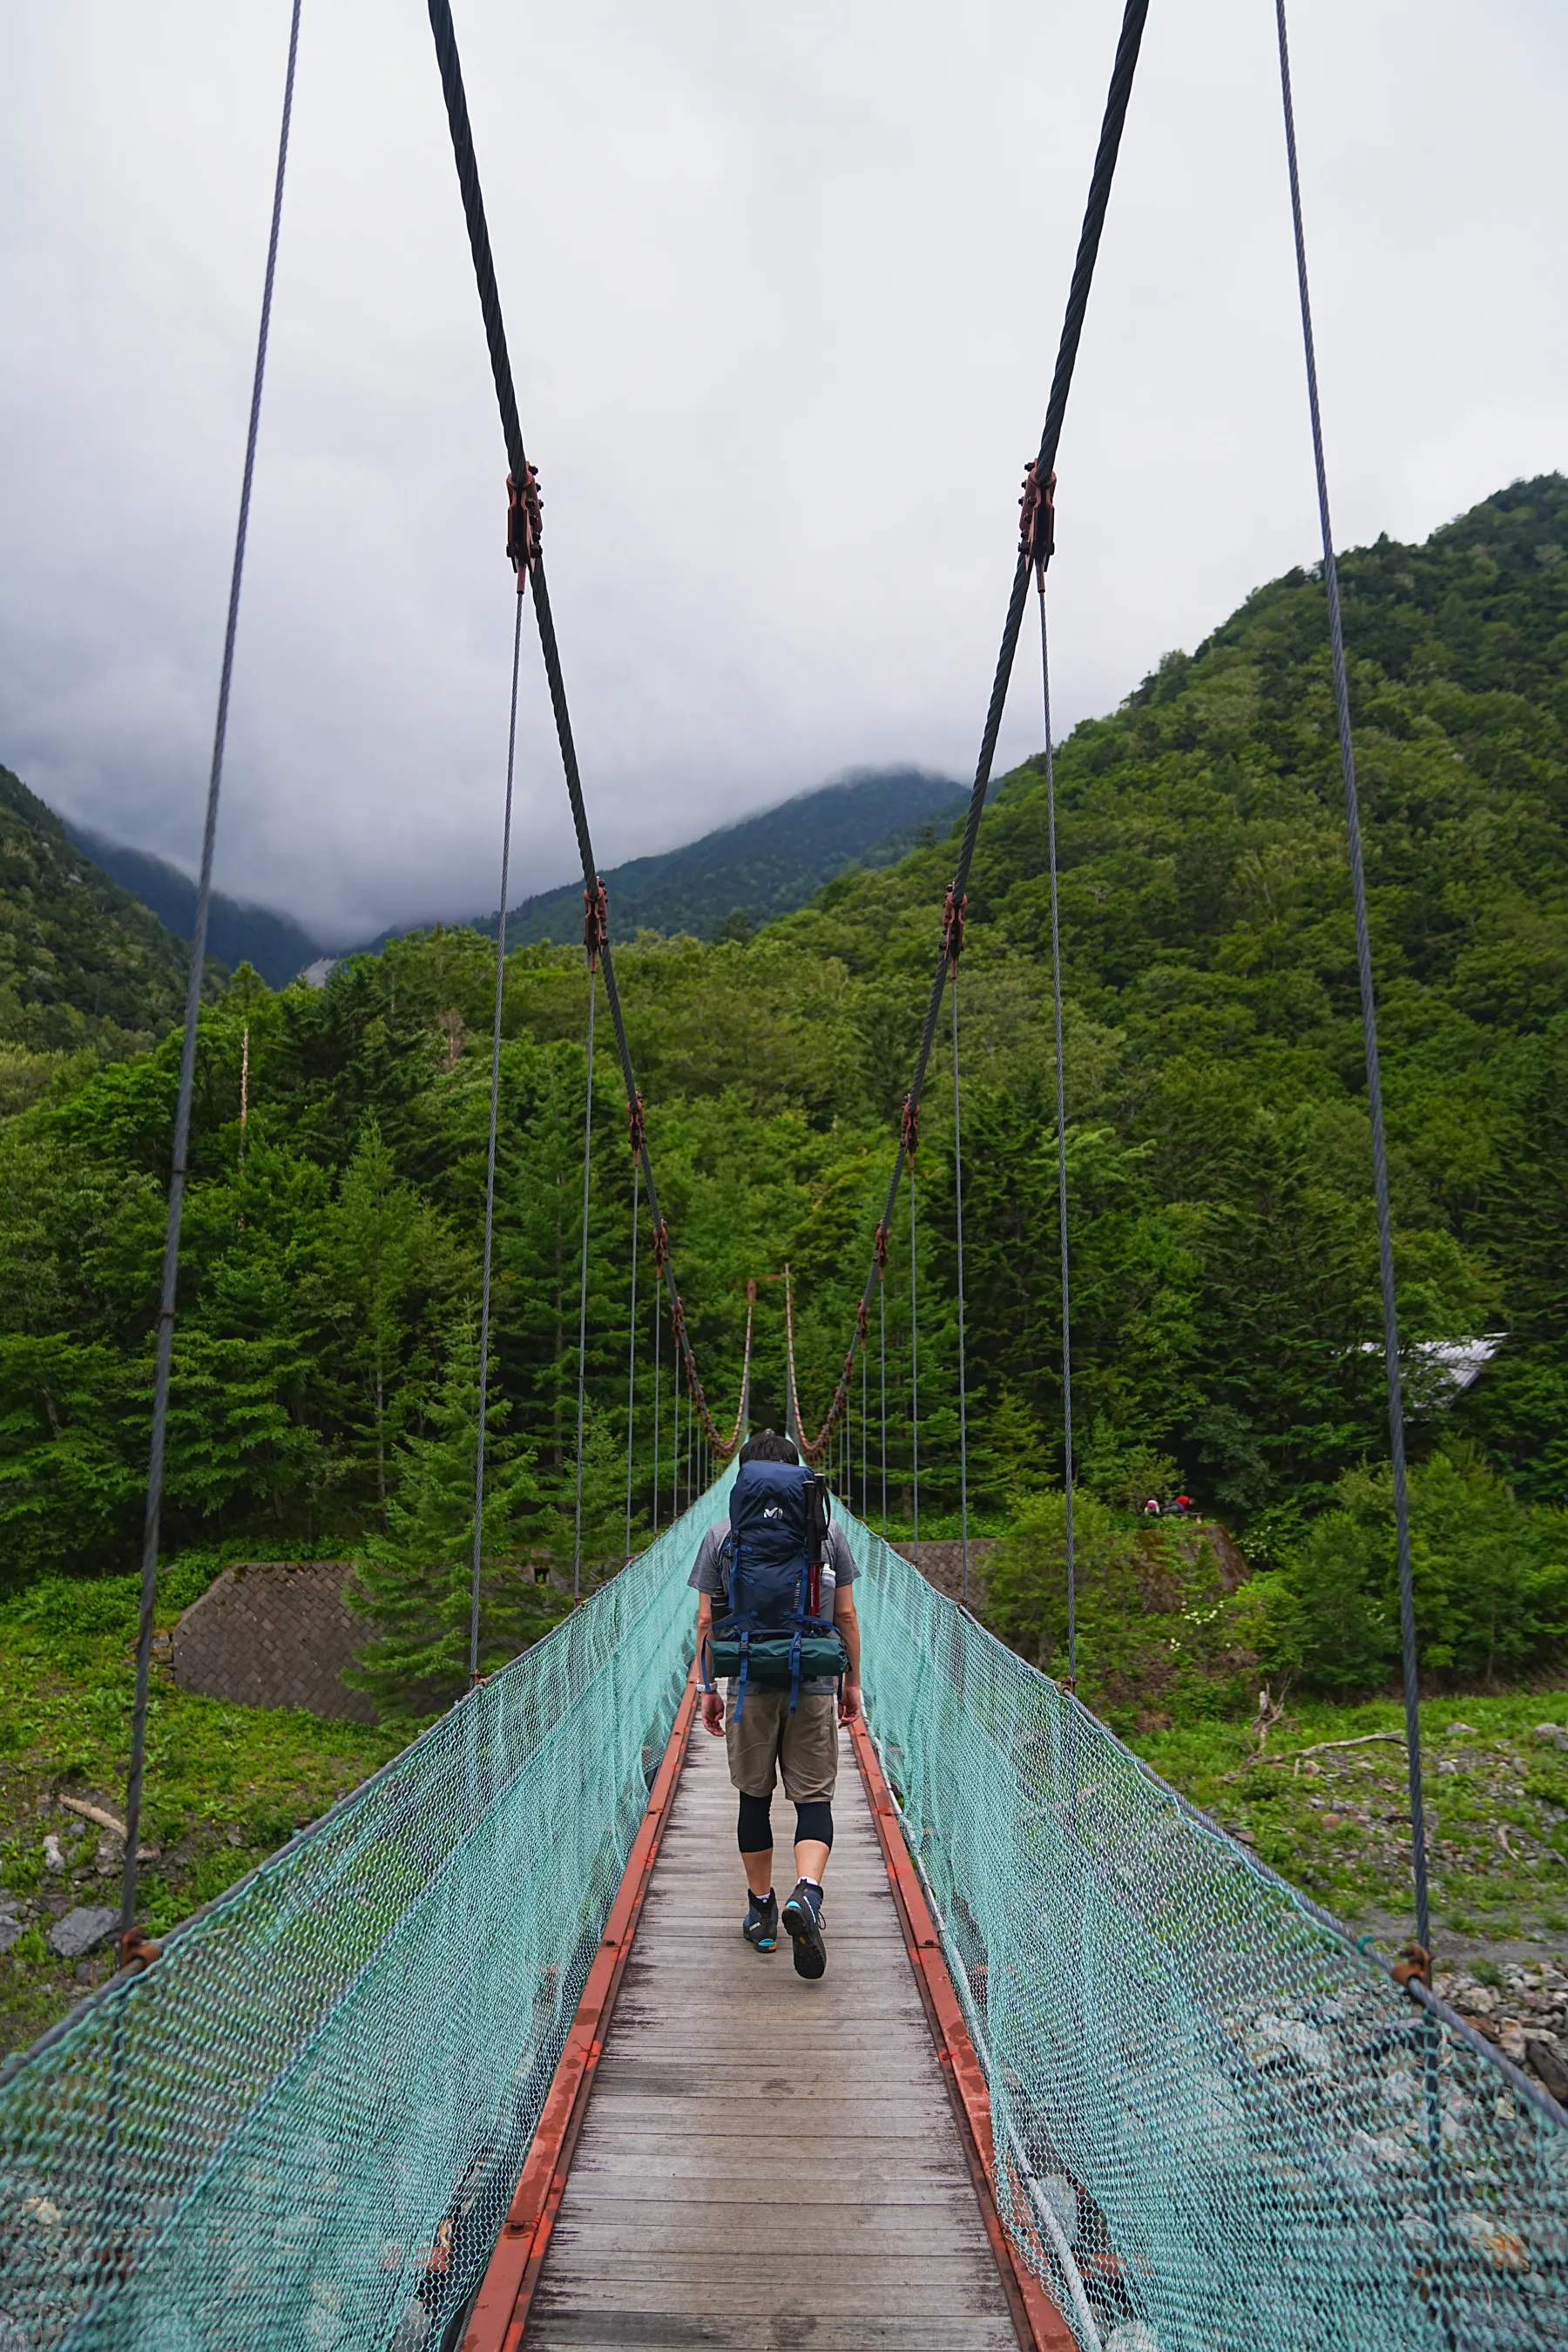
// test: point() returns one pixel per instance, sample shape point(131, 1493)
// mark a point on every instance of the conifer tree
point(412, 1582)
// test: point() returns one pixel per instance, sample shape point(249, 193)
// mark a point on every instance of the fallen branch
point(94, 1813)
point(105, 1822)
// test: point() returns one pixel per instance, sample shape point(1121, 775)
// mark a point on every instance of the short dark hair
point(768, 1446)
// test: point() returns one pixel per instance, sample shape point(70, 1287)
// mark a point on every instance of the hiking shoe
point(761, 1926)
point(803, 1925)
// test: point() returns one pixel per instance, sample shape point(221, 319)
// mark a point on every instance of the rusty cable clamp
point(137, 1950)
point(909, 1127)
point(1414, 1961)
point(953, 928)
point(524, 525)
point(879, 1249)
point(635, 1126)
point(1037, 522)
point(596, 923)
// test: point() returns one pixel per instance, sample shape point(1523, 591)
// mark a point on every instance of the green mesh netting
point(1218, 2126)
point(1217, 2123)
point(255, 2146)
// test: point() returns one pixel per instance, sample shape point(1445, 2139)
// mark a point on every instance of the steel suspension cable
point(583, 1287)
point(657, 1334)
point(914, 1374)
point(882, 1326)
point(180, 1157)
point(1034, 546)
point(632, 1352)
point(1061, 1145)
point(675, 1445)
point(1369, 1031)
point(958, 1227)
point(491, 1162)
point(848, 1454)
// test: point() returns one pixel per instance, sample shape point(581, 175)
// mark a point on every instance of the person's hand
point(849, 1703)
point(713, 1713)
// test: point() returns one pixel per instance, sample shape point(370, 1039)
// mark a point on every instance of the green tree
point(1491, 1576)
point(414, 1582)
point(388, 1265)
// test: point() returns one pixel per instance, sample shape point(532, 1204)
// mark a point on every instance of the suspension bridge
point(478, 2059)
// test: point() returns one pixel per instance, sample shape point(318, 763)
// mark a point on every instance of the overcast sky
point(783, 287)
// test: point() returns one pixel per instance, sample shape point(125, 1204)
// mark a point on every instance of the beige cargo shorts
point(768, 1737)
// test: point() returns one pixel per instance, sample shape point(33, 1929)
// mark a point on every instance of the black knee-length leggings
point(754, 1830)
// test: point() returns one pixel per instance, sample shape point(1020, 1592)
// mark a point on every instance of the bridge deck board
point(765, 2162)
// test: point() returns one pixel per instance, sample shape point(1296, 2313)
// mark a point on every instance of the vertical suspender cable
point(631, 1362)
point(582, 1286)
point(657, 1338)
point(882, 1328)
point(490, 1165)
point(1061, 1145)
point(1032, 550)
point(865, 1487)
point(1369, 1032)
point(958, 1214)
point(632, 1351)
point(914, 1374)
point(179, 1162)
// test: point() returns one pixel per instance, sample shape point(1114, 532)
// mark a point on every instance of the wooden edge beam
point(1039, 2324)
point(501, 2310)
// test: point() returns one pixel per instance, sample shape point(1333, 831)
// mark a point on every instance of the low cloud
point(784, 293)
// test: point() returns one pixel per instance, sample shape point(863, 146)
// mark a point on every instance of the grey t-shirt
point(711, 1574)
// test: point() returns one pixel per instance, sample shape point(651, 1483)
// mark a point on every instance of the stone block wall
point(274, 1633)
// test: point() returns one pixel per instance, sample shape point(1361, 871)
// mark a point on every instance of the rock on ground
point(83, 1930)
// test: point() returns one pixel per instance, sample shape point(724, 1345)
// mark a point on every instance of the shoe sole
point(810, 1950)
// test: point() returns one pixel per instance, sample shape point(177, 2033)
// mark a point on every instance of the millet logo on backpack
point(774, 1511)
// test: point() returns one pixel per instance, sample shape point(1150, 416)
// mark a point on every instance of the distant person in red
point(1181, 1506)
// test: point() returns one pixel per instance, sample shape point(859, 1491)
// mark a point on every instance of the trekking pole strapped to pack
point(769, 1629)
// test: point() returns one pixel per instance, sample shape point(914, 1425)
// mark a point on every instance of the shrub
point(1490, 1576)
point(1158, 1633)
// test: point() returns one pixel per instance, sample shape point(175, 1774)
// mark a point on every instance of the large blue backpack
point(772, 1631)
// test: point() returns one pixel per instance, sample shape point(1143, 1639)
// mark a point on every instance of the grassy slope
point(225, 1786)
point(1337, 1825)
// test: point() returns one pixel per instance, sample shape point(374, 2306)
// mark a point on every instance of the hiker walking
point(775, 1617)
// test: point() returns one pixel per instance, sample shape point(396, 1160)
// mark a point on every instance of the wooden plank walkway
point(765, 2162)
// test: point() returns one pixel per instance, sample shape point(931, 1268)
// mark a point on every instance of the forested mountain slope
point(81, 962)
point(743, 875)
point(1216, 1027)
point(1223, 1250)
point(238, 930)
